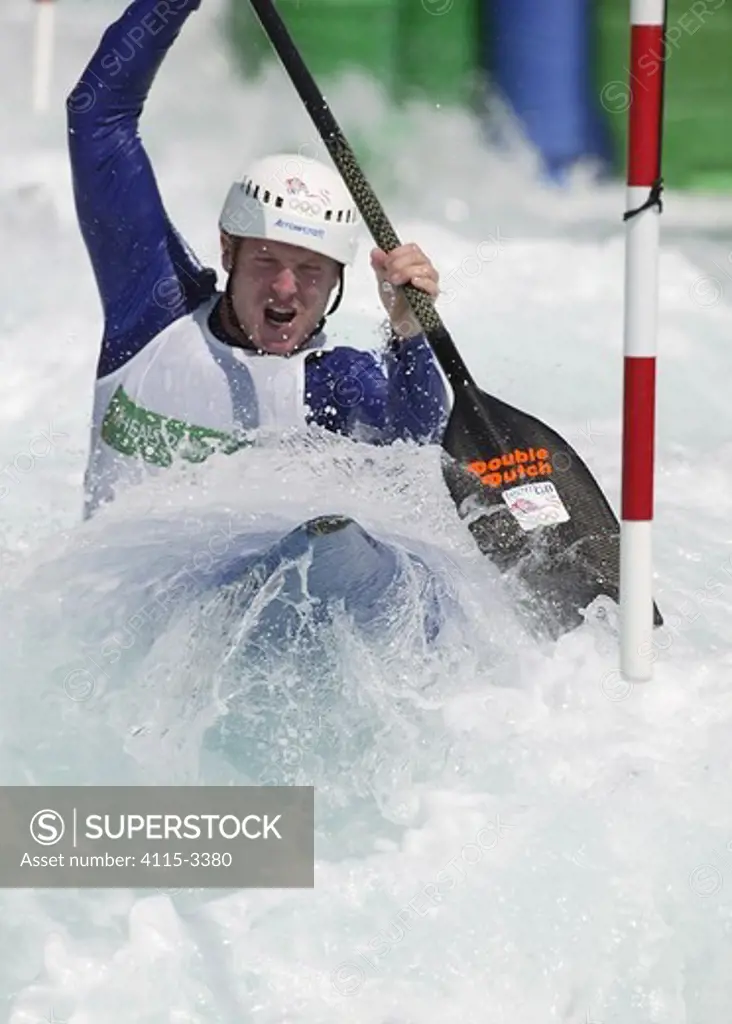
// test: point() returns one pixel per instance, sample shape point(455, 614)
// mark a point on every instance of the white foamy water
point(506, 832)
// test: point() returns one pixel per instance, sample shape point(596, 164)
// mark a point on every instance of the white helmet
point(291, 198)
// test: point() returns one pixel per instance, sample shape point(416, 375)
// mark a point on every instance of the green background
point(432, 50)
point(697, 130)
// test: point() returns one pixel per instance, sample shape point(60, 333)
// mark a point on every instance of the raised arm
point(146, 275)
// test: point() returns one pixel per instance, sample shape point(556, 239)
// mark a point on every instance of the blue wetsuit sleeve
point(146, 275)
point(403, 397)
point(419, 405)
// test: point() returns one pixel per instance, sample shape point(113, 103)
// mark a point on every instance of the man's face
point(279, 291)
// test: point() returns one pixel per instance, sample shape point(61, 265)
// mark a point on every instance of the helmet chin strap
point(247, 339)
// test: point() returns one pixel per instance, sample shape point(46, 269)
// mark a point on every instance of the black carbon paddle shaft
point(364, 197)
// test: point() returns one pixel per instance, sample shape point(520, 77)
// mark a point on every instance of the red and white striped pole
point(647, 65)
point(43, 54)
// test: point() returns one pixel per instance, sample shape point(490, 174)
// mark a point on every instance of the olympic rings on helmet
point(304, 206)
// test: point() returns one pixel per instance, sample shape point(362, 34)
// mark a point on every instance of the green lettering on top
point(132, 430)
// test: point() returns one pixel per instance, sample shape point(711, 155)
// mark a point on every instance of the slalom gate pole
point(648, 19)
point(43, 54)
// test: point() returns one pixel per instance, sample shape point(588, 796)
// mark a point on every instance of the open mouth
point(279, 316)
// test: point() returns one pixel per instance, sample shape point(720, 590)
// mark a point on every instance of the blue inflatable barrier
point(539, 56)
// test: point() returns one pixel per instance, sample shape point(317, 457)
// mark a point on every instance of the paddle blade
point(533, 508)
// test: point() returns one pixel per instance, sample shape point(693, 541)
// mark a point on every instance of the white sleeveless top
point(185, 395)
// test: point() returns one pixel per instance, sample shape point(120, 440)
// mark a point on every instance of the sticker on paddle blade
point(535, 505)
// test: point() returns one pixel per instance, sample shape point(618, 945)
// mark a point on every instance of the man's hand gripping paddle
point(531, 503)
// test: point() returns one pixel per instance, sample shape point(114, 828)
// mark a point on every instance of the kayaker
point(185, 368)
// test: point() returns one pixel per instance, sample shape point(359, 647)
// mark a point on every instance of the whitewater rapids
point(507, 832)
